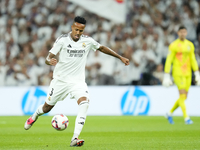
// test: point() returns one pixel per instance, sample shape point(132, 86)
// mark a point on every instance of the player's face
point(182, 34)
point(77, 30)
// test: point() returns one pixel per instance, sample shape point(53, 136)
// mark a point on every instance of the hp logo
point(32, 99)
point(135, 102)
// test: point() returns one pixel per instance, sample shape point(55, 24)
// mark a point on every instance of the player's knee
point(183, 91)
point(183, 96)
point(182, 99)
point(83, 99)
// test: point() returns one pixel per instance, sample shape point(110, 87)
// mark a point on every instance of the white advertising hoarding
point(104, 100)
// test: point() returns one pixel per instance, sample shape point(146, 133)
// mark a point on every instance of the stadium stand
point(28, 29)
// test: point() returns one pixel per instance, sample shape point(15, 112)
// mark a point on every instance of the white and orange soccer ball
point(60, 122)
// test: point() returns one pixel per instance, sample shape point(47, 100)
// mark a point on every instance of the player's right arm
point(167, 79)
point(57, 46)
point(50, 60)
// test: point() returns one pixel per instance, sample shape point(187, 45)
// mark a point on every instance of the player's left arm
point(194, 64)
point(109, 51)
point(193, 59)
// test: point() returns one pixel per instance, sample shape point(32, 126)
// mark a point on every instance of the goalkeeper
point(181, 55)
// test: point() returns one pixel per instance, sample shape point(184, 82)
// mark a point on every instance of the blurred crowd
point(28, 29)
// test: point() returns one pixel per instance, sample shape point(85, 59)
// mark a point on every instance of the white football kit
point(69, 72)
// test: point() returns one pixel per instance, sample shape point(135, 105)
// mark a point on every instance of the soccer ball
point(60, 122)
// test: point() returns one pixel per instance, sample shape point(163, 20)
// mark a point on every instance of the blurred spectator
point(92, 68)
point(3, 69)
point(144, 59)
point(159, 74)
point(124, 75)
point(106, 71)
point(45, 79)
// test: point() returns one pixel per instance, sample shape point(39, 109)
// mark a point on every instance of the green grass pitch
point(102, 133)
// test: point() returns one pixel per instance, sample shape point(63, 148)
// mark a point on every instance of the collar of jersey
point(181, 40)
point(71, 37)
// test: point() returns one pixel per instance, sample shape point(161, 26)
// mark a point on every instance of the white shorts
point(58, 91)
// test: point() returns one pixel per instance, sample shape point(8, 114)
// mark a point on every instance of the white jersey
point(72, 58)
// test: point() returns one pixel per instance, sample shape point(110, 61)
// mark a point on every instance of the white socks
point(80, 119)
point(187, 118)
point(169, 113)
point(38, 112)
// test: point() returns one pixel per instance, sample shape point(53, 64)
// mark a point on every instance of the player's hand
point(125, 61)
point(53, 61)
point(197, 78)
point(167, 80)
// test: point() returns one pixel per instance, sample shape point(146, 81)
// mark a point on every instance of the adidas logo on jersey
point(69, 46)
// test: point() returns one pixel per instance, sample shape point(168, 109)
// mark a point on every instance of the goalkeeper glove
point(167, 80)
point(197, 78)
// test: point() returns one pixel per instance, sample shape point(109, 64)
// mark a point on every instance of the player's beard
point(76, 37)
point(182, 37)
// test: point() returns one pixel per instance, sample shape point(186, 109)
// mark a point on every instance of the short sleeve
point(94, 45)
point(57, 46)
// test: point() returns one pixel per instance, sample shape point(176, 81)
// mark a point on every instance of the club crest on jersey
point(83, 45)
point(188, 47)
point(49, 98)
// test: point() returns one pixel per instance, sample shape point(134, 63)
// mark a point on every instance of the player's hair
point(182, 27)
point(80, 20)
